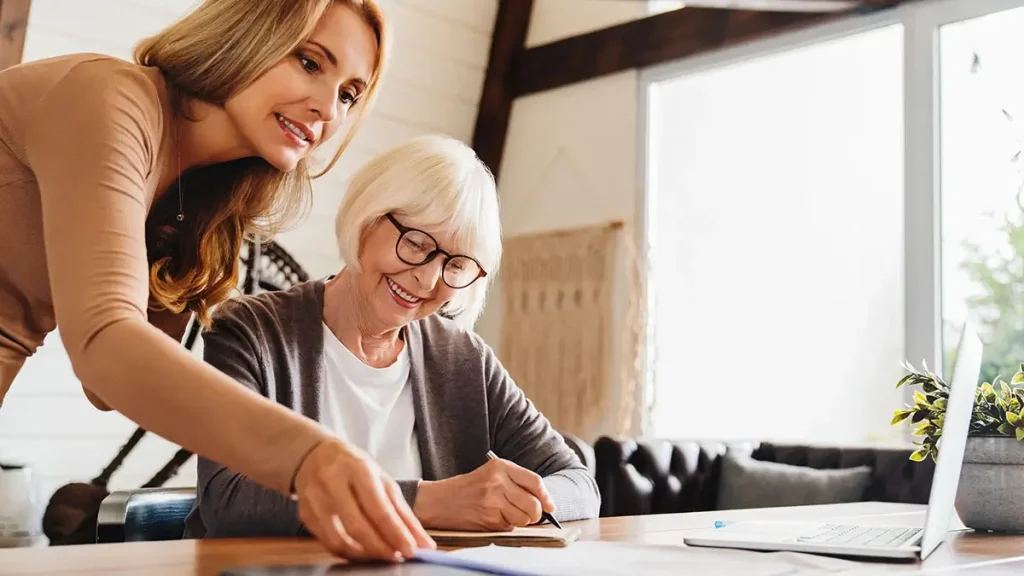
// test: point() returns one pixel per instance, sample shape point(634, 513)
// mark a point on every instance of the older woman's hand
point(499, 495)
point(355, 509)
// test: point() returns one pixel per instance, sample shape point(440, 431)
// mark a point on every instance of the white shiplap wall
point(439, 58)
point(570, 156)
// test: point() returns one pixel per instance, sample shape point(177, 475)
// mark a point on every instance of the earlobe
point(447, 311)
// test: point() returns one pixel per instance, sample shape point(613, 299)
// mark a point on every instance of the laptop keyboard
point(853, 535)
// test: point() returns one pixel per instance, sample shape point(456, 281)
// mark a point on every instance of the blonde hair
point(429, 182)
point(210, 55)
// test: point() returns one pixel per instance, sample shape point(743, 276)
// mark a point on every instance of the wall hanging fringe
point(556, 342)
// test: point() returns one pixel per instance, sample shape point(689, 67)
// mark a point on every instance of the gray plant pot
point(991, 491)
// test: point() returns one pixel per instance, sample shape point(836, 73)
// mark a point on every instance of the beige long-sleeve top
point(85, 150)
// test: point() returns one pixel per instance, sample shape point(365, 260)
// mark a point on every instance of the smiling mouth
point(401, 294)
point(293, 130)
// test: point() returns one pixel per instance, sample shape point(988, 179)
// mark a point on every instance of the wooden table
point(974, 553)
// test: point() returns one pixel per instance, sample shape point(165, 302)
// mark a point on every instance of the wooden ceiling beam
point(13, 23)
point(790, 5)
point(646, 42)
point(508, 41)
point(514, 70)
point(778, 5)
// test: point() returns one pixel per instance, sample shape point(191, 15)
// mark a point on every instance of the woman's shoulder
point(92, 72)
point(292, 308)
point(93, 82)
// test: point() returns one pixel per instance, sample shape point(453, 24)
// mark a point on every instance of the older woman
point(382, 355)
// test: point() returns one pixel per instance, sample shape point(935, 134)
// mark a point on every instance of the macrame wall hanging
point(558, 296)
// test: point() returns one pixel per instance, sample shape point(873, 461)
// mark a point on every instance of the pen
point(492, 456)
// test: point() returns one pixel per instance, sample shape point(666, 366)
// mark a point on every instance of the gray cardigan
point(464, 402)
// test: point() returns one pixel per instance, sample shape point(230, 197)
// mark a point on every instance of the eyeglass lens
point(415, 248)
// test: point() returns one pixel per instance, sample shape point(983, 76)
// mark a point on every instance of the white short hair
point(430, 182)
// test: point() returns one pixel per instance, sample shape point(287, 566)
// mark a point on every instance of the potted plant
point(992, 477)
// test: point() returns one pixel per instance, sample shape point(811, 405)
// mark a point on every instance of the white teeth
point(294, 129)
point(402, 293)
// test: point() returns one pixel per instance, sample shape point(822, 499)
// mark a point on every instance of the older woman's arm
point(228, 503)
point(520, 433)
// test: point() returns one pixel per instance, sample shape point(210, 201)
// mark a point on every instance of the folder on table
point(538, 536)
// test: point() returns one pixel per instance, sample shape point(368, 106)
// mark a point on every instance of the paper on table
point(610, 558)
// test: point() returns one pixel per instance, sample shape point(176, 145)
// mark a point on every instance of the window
point(982, 127)
point(775, 224)
point(824, 204)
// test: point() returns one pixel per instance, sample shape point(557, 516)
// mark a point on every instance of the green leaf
point(1020, 434)
point(1012, 418)
point(905, 379)
point(1004, 393)
point(899, 416)
point(1018, 378)
point(940, 404)
point(919, 455)
point(1005, 429)
point(919, 398)
point(988, 392)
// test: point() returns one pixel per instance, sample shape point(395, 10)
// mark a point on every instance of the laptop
point(902, 542)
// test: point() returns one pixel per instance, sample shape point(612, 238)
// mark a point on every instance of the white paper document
point(612, 558)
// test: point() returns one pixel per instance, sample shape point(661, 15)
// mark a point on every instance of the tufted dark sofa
point(663, 476)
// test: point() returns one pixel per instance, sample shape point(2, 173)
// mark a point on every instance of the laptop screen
point(951, 445)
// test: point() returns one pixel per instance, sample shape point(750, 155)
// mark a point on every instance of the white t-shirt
point(372, 408)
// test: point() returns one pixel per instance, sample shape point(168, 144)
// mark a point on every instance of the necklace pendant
point(181, 217)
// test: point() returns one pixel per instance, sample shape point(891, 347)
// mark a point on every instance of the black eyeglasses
point(416, 248)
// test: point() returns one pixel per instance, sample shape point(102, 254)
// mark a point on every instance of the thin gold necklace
point(181, 196)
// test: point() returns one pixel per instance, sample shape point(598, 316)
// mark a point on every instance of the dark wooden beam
point(648, 41)
point(507, 44)
point(778, 5)
point(789, 5)
point(13, 23)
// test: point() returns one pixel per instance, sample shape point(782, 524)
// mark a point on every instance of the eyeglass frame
point(448, 257)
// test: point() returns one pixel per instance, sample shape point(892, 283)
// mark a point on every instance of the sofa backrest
point(665, 476)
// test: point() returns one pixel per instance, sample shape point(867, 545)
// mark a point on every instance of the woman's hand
point(355, 509)
point(499, 495)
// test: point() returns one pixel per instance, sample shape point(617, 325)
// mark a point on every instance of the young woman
point(125, 193)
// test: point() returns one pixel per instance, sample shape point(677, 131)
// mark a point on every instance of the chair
point(582, 450)
point(666, 476)
point(144, 514)
point(276, 269)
